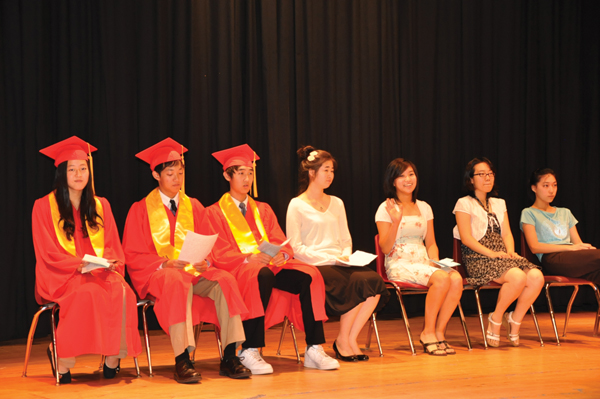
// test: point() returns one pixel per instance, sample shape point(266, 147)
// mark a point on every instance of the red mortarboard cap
point(71, 149)
point(242, 155)
point(166, 151)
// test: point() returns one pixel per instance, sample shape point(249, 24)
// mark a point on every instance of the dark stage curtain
point(436, 82)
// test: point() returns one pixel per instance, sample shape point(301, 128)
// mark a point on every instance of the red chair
point(402, 289)
point(457, 254)
point(561, 281)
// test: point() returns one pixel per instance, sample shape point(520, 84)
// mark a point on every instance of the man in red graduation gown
point(184, 294)
point(273, 286)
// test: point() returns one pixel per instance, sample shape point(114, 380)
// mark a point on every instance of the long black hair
point(87, 206)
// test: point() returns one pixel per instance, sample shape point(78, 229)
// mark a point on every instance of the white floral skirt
point(409, 263)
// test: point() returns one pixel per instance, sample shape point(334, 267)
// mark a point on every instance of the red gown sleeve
point(54, 265)
point(112, 242)
point(140, 253)
point(274, 232)
point(225, 253)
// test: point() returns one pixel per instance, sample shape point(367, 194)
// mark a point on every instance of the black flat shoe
point(185, 373)
point(110, 373)
point(362, 358)
point(64, 378)
point(338, 355)
point(233, 368)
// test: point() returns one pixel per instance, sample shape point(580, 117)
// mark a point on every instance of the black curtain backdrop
point(436, 82)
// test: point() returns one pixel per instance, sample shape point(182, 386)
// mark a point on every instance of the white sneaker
point(252, 360)
point(316, 358)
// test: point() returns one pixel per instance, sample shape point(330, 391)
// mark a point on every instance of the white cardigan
point(479, 220)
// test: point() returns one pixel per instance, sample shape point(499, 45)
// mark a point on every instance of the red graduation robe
point(143, 262)
point(91, 304)
point(227, 256)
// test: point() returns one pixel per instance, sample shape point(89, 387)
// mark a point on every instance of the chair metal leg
point(197, 331)
point(369, 331)
point(551, 311)
point(54, 351)
point(464, 326)
point(147, 338)
point(285, 324)
point(293, 331)
point(102, 360)
point(537, 326)
point(405, 317)
point(575, 290)
point(137, 367)
point(485, 344)
point(32, 329)
point(219, 345)
point(373, 322)
point(597, 292)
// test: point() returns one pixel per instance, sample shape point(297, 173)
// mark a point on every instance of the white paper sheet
point(196, 247)
point(271, 249)
point(359, 258)
point(94, 263)
point(446, 262)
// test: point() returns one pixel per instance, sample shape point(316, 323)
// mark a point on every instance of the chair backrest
point(526, 252)
point(457, 255)
point(380, 260)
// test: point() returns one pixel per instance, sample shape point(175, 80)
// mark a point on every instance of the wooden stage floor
point(569, 370)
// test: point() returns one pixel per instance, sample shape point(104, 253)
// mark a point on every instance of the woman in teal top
point(552, 235)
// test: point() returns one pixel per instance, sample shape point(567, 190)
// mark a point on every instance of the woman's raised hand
point(394, 210)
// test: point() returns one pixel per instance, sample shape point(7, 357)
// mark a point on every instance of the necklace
point(315, 203)
point(485, 207)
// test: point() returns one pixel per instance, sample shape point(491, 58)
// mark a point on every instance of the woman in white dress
point(407, 238)
point(318, 231)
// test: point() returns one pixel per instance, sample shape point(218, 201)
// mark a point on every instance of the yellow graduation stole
point(96, 236)
point(161, 228)
point(239, 226)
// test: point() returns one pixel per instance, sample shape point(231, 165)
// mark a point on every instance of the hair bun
point(304, 152)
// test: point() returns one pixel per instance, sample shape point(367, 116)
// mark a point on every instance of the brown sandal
point(449, 350)
point(435, 352)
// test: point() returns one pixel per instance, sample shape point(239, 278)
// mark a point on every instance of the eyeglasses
point(484, 175)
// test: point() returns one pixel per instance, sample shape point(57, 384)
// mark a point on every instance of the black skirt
point(347, 287)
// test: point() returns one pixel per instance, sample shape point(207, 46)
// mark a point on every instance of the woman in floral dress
point(406, 236)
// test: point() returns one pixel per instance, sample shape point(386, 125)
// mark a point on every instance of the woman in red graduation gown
point(98, 311)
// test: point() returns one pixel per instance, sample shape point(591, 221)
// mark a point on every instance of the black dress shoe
point(185, 372)
point(362, 358)
point(233, 368)
point(64, 378)
point(338, 355)
point(110, 373)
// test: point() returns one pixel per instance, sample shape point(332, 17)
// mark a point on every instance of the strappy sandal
point(447, 348)
point(507, 320)
point(492, 339)
point(435, 352)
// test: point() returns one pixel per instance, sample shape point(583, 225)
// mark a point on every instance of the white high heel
point(508, 320)
point(492, 339)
